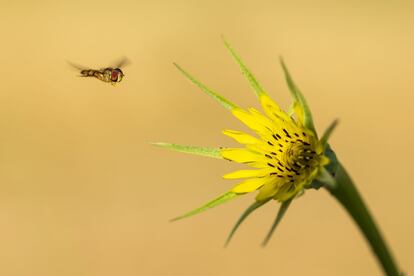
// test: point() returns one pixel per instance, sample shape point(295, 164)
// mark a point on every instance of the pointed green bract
point(215, 202)
point(224, 102)
point(333, 161)
point(298, 98)
point(203, 151)
point(328, 132)
point(282, 210)
point(245, 214)
point(246, 72)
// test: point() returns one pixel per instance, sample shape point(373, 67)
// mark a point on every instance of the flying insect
point(111, 75)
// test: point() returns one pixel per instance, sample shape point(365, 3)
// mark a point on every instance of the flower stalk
point(347, 194)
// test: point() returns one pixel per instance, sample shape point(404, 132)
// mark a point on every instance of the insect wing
point(77, 66)
point(122, 62)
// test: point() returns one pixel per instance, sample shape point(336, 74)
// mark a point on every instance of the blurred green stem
point(347, 194)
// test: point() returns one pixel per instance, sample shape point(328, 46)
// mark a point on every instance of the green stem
point(347, 194)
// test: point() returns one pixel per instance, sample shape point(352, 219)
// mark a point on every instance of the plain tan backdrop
point(83, 193)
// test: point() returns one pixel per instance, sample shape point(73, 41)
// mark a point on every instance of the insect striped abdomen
point(88, 73)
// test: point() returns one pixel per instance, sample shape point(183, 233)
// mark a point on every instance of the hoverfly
point(112, 75)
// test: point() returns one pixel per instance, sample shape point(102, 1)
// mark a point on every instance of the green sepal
point(333, 164)
point(326, 178)
point(282, 210)
point(327, 134)
point(331, 167)
point(298, 98)
point(215, 202)
point(224, 102)
point(202, 151)
point(244, 215)
point(246, 72)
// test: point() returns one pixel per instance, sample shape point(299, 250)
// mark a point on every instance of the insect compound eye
point(114, 75)
point(120, 74)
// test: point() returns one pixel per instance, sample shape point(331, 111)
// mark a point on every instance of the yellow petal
point(287, 191)
point(272, 109)
point(297, 108)
point(247, 174)
point(263, 120)
point(249, 185)
point(268, 191)
point(241, 137)
point(249, 120)
point(240, 155)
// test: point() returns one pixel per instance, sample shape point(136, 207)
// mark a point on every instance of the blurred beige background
point(83, 193)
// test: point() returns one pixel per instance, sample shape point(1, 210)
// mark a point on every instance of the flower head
point(285, 154)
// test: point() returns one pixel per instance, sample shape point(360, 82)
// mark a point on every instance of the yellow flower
point(285, 154)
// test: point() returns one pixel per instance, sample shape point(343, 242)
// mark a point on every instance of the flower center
point(295, 156)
